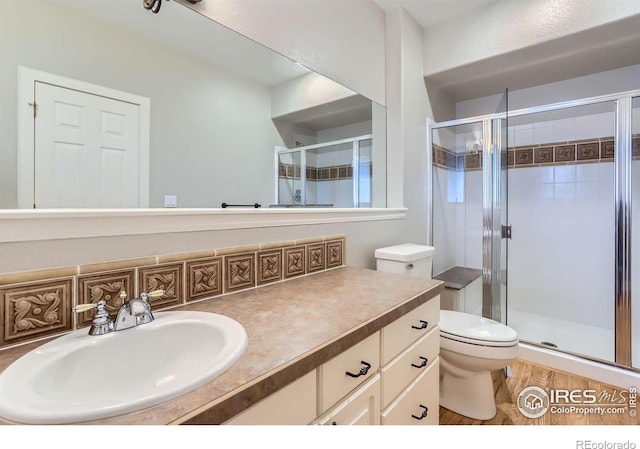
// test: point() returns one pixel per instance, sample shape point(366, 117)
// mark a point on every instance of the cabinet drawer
point(360, 407)
point(335, 383)
point(293, 404)
point(421, 398)
point(397, 336)
point(402, 370)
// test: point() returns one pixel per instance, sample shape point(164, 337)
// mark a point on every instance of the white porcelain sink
point(79, 377)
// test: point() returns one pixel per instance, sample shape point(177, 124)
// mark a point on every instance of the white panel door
point(87, 150)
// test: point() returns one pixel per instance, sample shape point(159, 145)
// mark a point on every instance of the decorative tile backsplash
point(38, 304)
point(586, 150)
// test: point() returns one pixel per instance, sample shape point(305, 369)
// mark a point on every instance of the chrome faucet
point(133, 312)
point(102, 324)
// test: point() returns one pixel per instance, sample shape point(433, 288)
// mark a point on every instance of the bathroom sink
point(79, 377)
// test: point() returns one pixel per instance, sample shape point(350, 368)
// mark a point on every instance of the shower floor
point(592, 341)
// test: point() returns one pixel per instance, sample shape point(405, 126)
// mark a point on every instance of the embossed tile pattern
point(240, 271)
point(543, 155)
point(294, 260)
point(35, 310)
point(335, 253)
point(315, 258)
point(269, 266)
point(204, 278)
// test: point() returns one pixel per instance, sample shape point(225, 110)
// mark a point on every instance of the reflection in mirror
point(135, 109)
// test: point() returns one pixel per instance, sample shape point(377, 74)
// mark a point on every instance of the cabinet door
point(397, 336)
point(361, 361)
point(360, 407)
point(293, 404)
point(419, 404)
point(412, 362)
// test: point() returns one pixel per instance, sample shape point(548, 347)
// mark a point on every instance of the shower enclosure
point(330, 174)
point(541, 201)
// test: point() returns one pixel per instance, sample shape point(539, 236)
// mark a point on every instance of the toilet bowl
point(470, 346)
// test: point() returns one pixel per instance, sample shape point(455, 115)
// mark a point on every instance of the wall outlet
point(171, 201)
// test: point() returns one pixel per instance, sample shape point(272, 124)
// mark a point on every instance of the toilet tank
point(408, 258)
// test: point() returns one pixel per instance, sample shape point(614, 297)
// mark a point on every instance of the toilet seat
point(476, 330)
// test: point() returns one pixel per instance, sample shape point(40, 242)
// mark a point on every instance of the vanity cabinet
point(390, 377)
point(419, 402)
point(410, 373)
point(360, 361)
point(360, 407)
point(293, 404)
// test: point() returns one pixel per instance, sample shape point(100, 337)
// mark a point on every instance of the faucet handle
point(84, 307)
point(153, 294)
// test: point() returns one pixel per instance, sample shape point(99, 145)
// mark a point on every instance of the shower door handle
point(506, 232)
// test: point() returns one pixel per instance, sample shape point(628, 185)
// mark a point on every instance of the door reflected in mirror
point(201, 118)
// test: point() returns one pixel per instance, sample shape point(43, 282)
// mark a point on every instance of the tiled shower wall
point(38, 304)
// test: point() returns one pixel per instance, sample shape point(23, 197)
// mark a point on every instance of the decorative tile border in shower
point(332, 173)
point(556, 153)
point(449, 160)
point(37, 304)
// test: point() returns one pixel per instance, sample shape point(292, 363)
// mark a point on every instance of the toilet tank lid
point(406, 252)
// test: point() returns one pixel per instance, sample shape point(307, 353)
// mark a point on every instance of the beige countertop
point(292, 327)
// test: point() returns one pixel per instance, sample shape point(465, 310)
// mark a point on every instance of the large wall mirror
point(141, 110)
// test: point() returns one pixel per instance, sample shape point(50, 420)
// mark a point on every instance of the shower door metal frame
point(623, 198)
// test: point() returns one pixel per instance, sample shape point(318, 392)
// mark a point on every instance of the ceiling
point(429, 13)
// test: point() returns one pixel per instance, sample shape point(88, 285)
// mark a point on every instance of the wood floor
point(527, 374)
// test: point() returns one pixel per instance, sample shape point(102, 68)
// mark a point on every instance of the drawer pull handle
point(422, 364)
point(363, 371)
point(424, 413)
point(423, 325)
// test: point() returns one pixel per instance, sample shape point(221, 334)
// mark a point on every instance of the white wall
point(317, 34)
point(191, 154)
point(408, 106)
point(305, 92)
point(506, 26)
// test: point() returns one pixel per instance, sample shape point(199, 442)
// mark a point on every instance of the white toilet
point(470, 346)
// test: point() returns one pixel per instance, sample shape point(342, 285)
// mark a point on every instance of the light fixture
point(154, 5)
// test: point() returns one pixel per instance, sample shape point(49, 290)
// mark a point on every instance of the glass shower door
point(290, 184)
point(457, 205)
point(561, 255)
